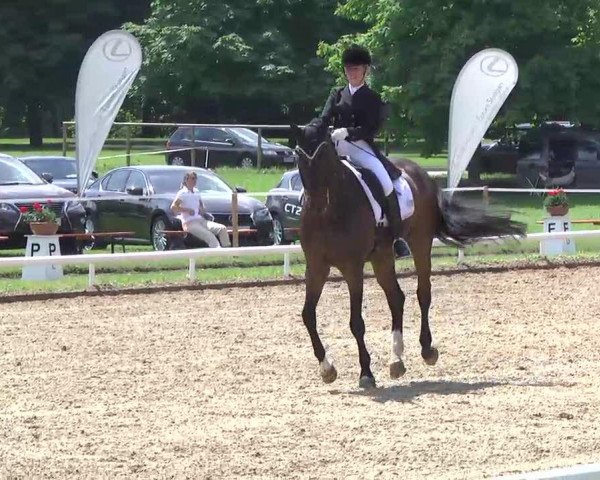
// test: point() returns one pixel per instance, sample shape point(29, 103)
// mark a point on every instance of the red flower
point(23, 209)
point(38, 207)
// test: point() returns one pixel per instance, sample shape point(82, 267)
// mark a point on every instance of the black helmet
point(356, 55)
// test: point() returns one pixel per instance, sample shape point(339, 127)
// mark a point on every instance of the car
point(561, 157)
point(285, 204)
point(234, 146)
point(138, 200)
point(501, 155)
point(61, 171)
point(20, 187)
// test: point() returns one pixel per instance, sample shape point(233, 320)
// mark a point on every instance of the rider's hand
point(339, 134)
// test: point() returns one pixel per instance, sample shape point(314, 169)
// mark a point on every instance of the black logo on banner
point(493, 65)
point(117, 49)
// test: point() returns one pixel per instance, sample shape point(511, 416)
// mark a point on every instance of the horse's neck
point(334, 189)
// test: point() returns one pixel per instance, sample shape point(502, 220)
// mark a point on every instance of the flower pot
point(43, 228)
point(558, 210)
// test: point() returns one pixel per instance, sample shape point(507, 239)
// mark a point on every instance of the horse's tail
point(464, 222)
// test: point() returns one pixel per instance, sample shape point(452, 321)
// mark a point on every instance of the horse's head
point(316, 153)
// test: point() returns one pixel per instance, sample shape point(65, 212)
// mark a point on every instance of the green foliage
point(236, 60)
point(556, 198)
point(420, 46)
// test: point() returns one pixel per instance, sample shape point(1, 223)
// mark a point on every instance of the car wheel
point(247, 161)
point(278, 232)
point(89, 227)
point(159, 239)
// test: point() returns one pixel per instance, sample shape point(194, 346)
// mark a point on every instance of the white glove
point(339, 134)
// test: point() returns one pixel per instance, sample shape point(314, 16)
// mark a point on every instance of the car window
point(13, 172)
point(116, 181)
point(211, 183)
point(249, 136)
point(58, 167)
point(136, 180)
point(182, 134)
point(202, 133)
point(297, 182)
point(170, 182)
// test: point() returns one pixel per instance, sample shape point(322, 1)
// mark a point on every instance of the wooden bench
point(182, 234)
point(113, 237)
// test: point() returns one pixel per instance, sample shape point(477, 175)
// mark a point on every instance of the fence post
point(192, 270)
point(193, 151)
point(128, 145)
point(461, 254)
point(486, 195)
point(91, 275)
point(234, 219)
point(64, 139)
point(286, 264)
point(259, 153)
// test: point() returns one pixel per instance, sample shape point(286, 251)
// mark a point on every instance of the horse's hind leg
point(354, 278)
point(385, 272)
point(316, 276)
point(421, 250)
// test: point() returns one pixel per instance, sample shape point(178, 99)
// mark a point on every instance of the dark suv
point(225, 146)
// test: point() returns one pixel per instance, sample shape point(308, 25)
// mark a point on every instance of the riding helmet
point(356, 55)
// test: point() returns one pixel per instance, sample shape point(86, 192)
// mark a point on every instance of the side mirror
point(95, 175)
point(137, 191)
point(230, 141)
point(47, 176)
point(240, 190)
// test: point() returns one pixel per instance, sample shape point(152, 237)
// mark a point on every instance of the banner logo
point(494, 66)
point(117, 50)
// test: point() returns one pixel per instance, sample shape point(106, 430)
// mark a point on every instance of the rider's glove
point(339, 134)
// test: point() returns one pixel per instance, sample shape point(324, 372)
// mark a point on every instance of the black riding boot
point(393, 215)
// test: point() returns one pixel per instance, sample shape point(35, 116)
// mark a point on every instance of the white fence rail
point(193, 255)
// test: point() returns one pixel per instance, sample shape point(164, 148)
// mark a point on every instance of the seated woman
point(194, 218)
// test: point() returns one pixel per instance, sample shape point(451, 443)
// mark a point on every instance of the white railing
point(194, 254)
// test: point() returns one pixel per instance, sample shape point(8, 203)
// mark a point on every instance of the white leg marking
point(325, 365)
point(397, 346)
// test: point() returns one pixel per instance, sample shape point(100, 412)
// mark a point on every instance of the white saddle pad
point(402, 189)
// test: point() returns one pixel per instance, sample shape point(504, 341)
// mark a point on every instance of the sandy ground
point(180, 386)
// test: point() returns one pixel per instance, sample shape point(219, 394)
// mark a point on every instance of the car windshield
point(15, 173)
point(249, 136)
point(58, 167)
point(170, 182)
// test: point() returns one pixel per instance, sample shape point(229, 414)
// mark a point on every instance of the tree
point(236, 60)
point(420, 47)
point(43, 45)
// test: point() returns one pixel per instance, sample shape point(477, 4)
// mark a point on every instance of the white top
point(189, 199)
point(354, 89)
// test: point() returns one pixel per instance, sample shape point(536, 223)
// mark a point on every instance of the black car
point(225, 146)
point(284, 203)
point(61, 171)
point(22, 187)
point(138, 199)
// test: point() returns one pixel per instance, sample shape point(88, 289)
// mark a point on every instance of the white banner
point(107, 72)
point(480, 89)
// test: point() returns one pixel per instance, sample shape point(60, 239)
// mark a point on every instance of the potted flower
point(41, 219)
point(556, 203)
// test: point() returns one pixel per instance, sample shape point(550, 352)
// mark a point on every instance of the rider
point(357, 113)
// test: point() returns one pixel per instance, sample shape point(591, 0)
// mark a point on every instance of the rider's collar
point(354, 89)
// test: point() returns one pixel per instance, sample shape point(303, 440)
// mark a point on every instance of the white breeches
point(208, 232)
point(362, 155)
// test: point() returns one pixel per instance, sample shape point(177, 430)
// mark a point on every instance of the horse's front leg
point(385, 272)
point(354, 277)
point(316, 276)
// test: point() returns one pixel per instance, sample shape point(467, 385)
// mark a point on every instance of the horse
point(338, 229)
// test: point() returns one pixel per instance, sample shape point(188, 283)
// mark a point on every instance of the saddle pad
point(402, 189)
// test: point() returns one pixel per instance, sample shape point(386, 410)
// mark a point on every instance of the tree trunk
point(34, 124)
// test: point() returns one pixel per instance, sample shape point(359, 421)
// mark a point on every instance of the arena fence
point(192, 255)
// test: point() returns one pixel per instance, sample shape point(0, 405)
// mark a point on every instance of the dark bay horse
point(338, 230)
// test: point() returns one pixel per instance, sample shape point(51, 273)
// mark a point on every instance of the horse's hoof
point(329, 375)
point(397, 369)
point(366, 382)
point(430, 357)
